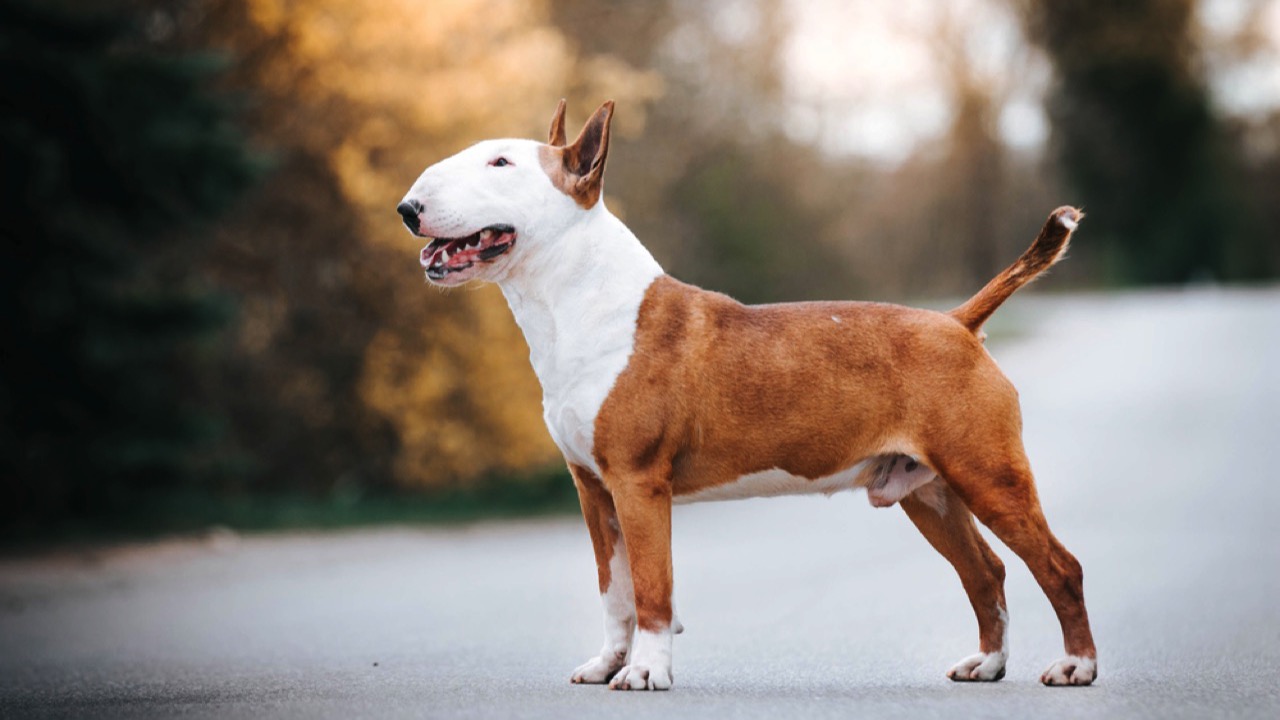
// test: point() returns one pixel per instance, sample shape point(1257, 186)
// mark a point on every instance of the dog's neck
point(576, 297)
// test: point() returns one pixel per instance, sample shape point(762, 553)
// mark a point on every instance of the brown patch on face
point(577, 170)
point(552, 160)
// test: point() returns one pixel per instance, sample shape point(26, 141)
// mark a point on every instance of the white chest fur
point(577, 299)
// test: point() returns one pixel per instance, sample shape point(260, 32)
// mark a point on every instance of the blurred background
point(212, 314)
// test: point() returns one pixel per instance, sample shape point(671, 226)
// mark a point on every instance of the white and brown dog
point(660, 392)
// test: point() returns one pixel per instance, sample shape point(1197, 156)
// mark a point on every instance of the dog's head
point(498, 199)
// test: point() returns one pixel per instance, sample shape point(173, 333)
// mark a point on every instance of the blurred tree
point(978, 200)
point(975, 163)
point(114, 157)
point(715, 187)
point(1137, 136)
point(756, 240)
point(1262, 177)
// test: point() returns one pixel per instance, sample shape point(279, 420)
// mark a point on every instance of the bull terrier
point(658, 392)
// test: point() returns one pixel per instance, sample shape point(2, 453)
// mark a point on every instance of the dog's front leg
point(643, 504)
point(614, 573)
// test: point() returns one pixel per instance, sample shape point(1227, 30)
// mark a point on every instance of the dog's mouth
point(443, 256)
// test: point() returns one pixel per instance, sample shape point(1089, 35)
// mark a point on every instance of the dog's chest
point(578, 348)
point(573, 390)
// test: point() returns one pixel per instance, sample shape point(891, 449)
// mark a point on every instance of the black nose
point(409, 210)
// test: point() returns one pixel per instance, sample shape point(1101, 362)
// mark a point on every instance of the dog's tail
point(1048, 248)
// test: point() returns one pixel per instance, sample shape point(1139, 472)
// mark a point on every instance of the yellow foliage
point(380, 91)
point(461, 396)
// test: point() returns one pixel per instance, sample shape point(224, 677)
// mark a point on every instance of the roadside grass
point(549, 492)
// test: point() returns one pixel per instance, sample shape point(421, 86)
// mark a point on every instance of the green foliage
point(114, 156)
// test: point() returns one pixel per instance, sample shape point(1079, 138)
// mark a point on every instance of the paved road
point(1152, 421)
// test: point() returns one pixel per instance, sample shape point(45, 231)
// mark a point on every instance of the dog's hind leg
point(615, 579)
point(947, 524)
point(995, 481)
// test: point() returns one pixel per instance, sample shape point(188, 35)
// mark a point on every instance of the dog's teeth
point(486, 234)
point(444, 256)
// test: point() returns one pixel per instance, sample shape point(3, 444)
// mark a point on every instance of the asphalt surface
point(1153, 423)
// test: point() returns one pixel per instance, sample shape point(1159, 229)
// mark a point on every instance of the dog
point(659, 392)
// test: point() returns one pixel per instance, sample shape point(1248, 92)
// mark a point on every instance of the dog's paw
point(640, 677)
point(1071, 670)
point(598, 670)
point(983, 667)
point(649, 665)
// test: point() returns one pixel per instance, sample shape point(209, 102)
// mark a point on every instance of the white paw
point(983, 667)
point(639, 677)
point(1071, 670)
point(597, 670)
point(649, 666)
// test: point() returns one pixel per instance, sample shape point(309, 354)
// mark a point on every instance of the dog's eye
point(499, 162)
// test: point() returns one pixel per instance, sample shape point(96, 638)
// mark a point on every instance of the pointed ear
point(584, 159)
point(556, 135)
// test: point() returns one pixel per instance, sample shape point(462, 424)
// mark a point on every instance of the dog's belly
point(770, 483)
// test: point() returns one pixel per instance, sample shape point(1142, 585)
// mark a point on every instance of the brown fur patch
point(717, 390)
point(644, 513)
point(601, 518)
